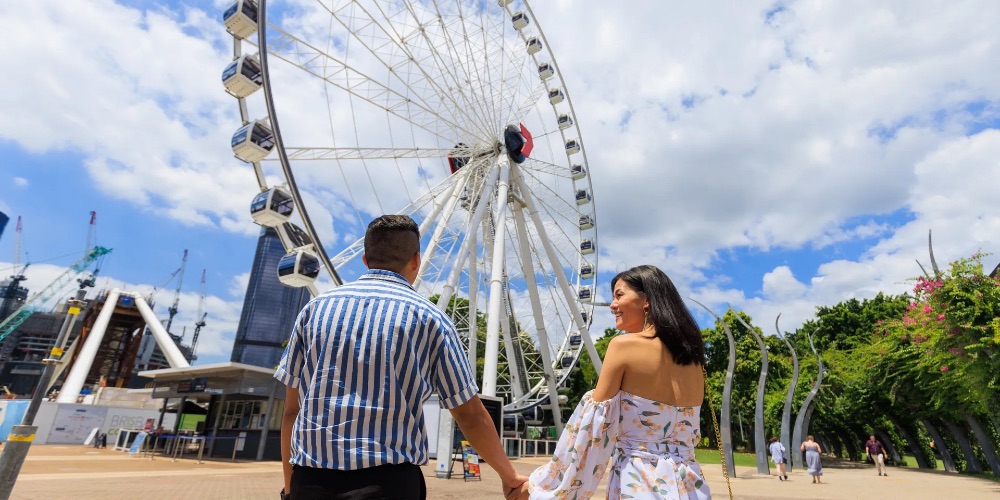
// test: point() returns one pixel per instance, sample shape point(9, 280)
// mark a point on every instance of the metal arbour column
point(760, 440)
point(801, 418)
point(293, 189)
point(725, 424)
point(558, 270)
point(786, 414)
point(536, 309)
point(497, 275)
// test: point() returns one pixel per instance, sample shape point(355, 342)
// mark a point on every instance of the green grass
point(912, 462)
point(711, 456)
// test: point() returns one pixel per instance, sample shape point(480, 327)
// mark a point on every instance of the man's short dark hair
point(391, 241)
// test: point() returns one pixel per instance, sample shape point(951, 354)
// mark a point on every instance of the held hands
point(516, 489)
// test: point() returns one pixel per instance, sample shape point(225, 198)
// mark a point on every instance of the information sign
point(470, 462)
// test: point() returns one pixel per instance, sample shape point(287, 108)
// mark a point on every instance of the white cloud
point(20, 182)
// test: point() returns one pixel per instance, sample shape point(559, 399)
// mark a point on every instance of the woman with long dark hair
point(644, 414)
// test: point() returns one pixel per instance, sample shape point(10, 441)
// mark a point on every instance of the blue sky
point(772, 158)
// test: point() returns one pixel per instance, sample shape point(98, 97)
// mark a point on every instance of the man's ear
point(415, 262)
point(364, 258)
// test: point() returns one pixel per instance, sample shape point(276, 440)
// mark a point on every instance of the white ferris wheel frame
point(444, 199)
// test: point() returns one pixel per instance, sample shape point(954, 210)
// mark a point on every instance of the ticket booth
point(245, 403)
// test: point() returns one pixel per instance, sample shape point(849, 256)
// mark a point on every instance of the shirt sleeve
point(582, 454)
point(454, 379)
point(289, 370)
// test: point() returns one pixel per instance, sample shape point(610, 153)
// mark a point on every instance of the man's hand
point(516, 487)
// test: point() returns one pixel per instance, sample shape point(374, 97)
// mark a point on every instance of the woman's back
point(651, 373)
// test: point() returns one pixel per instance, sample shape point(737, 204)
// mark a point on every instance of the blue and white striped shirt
point(365, 357)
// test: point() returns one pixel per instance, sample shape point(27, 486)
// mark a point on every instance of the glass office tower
point(269, 308)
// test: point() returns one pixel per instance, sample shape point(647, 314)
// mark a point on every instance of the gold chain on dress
point(718, 435)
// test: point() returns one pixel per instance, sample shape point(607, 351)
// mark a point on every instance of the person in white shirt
point(778, 456)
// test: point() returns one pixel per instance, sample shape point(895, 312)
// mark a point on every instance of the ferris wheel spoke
point(560, 276)
point(469, 66)
point(445, 47)
point(443, 189)
point(395, 51)
point(347, 153)
point(328, 68)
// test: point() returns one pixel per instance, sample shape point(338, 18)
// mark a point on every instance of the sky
point(771, 156)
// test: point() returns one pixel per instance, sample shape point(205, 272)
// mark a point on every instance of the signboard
point(494, 406)
point(470, 462)
point(193, 385)
point(137, 444)
point(73, 423)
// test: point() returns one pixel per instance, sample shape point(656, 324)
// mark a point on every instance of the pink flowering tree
point(941, 355)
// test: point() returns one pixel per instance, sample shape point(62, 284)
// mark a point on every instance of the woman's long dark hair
point(671, 320)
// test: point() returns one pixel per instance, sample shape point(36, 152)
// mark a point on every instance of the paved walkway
point(55, 472)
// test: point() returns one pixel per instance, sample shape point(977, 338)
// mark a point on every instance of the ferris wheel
point(453, 112)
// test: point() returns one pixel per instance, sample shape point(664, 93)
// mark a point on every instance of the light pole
point(21, 436)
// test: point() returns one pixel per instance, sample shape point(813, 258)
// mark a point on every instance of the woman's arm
point(612, 371)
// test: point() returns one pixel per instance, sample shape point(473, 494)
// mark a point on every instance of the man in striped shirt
point(361, 361)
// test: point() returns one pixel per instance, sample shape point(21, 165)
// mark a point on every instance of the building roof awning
point(226, 370)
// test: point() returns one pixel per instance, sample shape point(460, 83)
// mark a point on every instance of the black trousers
point(382, 482)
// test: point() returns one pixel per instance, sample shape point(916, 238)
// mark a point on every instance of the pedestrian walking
point(814, 463)
point(876, 452)
point(778, 457)
point(361, 361)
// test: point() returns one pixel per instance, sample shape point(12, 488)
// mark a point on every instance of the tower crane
point(172, 310)
point(38, 300)
point(201, 314)
point(89, 282)
point(15, 280)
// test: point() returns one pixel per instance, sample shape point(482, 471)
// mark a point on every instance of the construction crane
point(89, 282)
point(15, 280)
point(201, 314)
point(172, 310)
point(39, 300)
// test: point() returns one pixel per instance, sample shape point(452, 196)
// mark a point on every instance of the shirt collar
point(384, 275)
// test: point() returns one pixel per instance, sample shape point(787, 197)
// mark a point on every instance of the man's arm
point(478, 429)
point(287, 421)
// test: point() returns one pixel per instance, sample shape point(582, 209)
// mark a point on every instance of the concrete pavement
point(56, 472)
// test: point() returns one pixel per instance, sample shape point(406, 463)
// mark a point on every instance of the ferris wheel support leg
point(513, 367)
point(536, 309)
point(456, 273)
point(559, 272)
point(496, 284)
point(473, 301)
point(449, 209)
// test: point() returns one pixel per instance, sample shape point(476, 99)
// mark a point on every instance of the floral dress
point(650, 446)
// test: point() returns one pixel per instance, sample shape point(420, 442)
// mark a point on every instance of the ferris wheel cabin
point(572, 147)
point(578, 172)
point(586, 294)
point(564, 122)
point(457, 160)
point(520, 20)
point(272, 207)
point(253, 141)
point(556, 96)
point(587, 271)
point(583, 197)
point(534, 45)
point(298, 268)
point(586, 222)
point(587, 246)
point(575, 340)
point(243, 76)
point(241, 18)
point(546, 70)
